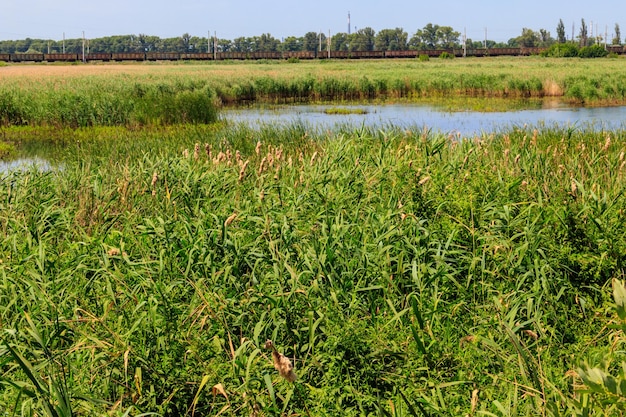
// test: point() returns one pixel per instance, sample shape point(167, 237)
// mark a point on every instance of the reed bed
point(399, 272)
point(119, 94)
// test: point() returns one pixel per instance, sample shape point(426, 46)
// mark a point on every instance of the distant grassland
point(163, 93)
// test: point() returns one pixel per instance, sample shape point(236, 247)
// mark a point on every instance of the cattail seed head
point(282, 363)
point(155, 178)
point(242, 172)
point(257, 149)
point(230, 219)
point(196, 151)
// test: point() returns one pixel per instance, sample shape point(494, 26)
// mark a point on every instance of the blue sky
point(503, 19)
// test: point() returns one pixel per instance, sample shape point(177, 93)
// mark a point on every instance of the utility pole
point(328, 43)
point(320, 41)
point(214, 45)
point(485, 38)
point(83, 46)
point(208, 42)
point(464, 42)
point(63, 42)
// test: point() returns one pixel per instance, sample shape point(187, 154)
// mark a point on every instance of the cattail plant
point(282, 363)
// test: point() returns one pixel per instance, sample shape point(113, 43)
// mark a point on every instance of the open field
point(86, 95)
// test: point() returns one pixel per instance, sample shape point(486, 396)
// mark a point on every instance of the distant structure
point(348, 23)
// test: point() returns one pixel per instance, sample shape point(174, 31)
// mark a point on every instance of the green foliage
point(446, 55)
point(593, 51)
point(604, 391)
point(561, 50)
point(423, 58)
point(401, 272)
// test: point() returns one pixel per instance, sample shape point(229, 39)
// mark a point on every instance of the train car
point(98, 56)
point(265, 55)
point(367, 54)
point(128, 56)
point(616, 49)
point(232, 55)
point(299, 54)
point(61, 57)
point(162, 56)
point(5, 57)
point(340, 54)
point(198, 56)
point(19, 57)
point(401, 54)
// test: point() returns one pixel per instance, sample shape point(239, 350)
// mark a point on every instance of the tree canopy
point(431, 36)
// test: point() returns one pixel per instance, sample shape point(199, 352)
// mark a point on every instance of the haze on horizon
point(229, 19)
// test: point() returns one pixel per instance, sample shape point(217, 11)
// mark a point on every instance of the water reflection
point(24, 164)
point(466, 123)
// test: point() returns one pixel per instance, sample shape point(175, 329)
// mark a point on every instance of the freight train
point(220, 56)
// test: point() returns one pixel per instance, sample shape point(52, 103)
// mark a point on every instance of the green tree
point(292, 43)
point(529, 38)
point(447, 37)
point(425, 38)
point(339, 42)
point(310, 42)
point(617, 39)
point(583, 36)
point(363, 40)
point(391, 40)
point(560, 32)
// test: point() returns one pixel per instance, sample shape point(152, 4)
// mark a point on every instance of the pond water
point(466, 123)
point(20, 164)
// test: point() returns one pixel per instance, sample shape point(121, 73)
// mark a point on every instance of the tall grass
point(402, 272)
point(108, 95)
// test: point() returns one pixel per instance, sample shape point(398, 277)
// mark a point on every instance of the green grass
point(154, 94)
point(404, 273)
point(344, 110)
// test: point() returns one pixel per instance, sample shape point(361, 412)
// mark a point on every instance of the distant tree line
point(431, 36)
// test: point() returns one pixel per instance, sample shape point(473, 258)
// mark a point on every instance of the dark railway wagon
point(197, 56)
point(162, 56)
point(26, 57)
point(5, 57)
point(98, 56)
point(232, 55)
point(401, 54)
point(128, 56)
point(60, 57)
point(299, 54)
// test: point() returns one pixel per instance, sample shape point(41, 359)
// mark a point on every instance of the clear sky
point(502, 19)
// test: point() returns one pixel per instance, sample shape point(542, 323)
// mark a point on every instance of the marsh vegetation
point(401, 271)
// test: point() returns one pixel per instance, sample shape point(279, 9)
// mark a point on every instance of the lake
point(465, 123)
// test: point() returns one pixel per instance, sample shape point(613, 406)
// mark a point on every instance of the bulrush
point(196, 151)
point(258, 148)
point(242, 172)
point(281, 363)
point(230, 219)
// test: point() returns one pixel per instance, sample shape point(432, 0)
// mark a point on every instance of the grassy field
point(111, 94)
point(401, 272)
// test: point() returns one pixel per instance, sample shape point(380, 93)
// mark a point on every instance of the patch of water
point(465, 123)
point(23, 164)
